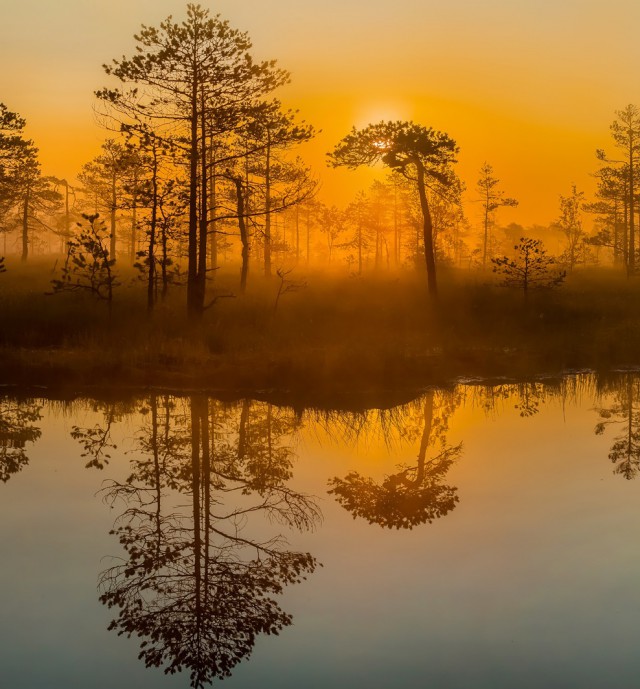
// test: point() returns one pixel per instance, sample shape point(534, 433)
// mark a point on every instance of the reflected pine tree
point(97, 441)
point(528, 396)
point(625, 414)
point(17, 428)
point(264, 456)
point(195, 586)
point(416, 494)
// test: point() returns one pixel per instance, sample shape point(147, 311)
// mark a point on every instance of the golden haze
point(529, 87)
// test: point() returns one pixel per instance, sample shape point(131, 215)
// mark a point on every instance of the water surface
point(479, 536)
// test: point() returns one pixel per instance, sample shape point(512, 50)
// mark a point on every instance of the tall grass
point(381, 330)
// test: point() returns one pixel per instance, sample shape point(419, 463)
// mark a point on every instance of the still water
point(478, 536)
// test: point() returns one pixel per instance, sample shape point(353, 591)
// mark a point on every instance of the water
point(477, 536)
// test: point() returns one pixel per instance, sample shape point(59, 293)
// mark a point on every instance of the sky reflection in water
point(474, 537)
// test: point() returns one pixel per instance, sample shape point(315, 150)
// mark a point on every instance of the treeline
point(203, 171)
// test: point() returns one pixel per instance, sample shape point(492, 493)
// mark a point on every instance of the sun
point(372, 113)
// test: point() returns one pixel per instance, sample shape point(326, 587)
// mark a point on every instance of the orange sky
point(529, 86)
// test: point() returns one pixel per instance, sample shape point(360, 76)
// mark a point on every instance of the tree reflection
point(528, 396)
point(196, 587)
point(17, 428)
point(415, 494)
point(96, 441)
point(624, 413)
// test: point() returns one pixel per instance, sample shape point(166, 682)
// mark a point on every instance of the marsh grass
point(378, 331)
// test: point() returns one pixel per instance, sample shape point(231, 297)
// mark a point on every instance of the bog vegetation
point(195, 245)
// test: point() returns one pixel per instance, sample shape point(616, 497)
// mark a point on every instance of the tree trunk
point(632, 238)
point(616, 234)
point(114, 201)
point(213, 244)
point(134, 217)
point(629, 417)
point(396, 232)
point(153, 403)
point(206, 492)
point(244, 237)
point(625, 233)
point(192, 249)
point(308, 234)
point(195, 490)
point(25, 225)
point(267, 218)
point(427, 228)
point(242, 429)
point(486, 233)
point(152, 234)
point(426, 437)
point(67, 219)
point(165, 258)
point(204, 211)
point(297, 234)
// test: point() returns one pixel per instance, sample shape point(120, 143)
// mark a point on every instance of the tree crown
point(397, 145)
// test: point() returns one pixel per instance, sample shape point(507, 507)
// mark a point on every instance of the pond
point(476, 536)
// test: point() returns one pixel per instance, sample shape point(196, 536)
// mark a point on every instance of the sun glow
point(382, 112)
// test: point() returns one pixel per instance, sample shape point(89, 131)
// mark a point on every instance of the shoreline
point(313, 386)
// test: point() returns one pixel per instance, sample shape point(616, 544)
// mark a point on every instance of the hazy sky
point(528, 85)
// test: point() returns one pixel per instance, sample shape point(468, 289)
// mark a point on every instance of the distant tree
point(531, 268)
point(159, 204)
point(64, 223)
point(240, 193)
point(291, 184)
point(448, 216)
point(110, 183)
point(512, 232)
point(88, 267)
point(491, 198)
point(332, 225)
point(356, 215)
point(14, 151)
point(625, 415)
point(380, 220)
point(272, 132)
point(23, 189)
point(420, 153)
point(570, 224)
point(611, 211)
point(625, 131)
point(38, 196)
point(309, 209)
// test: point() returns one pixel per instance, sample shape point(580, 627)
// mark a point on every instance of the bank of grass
point(338, 333)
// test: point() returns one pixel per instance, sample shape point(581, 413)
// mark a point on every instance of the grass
point(378, 333)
